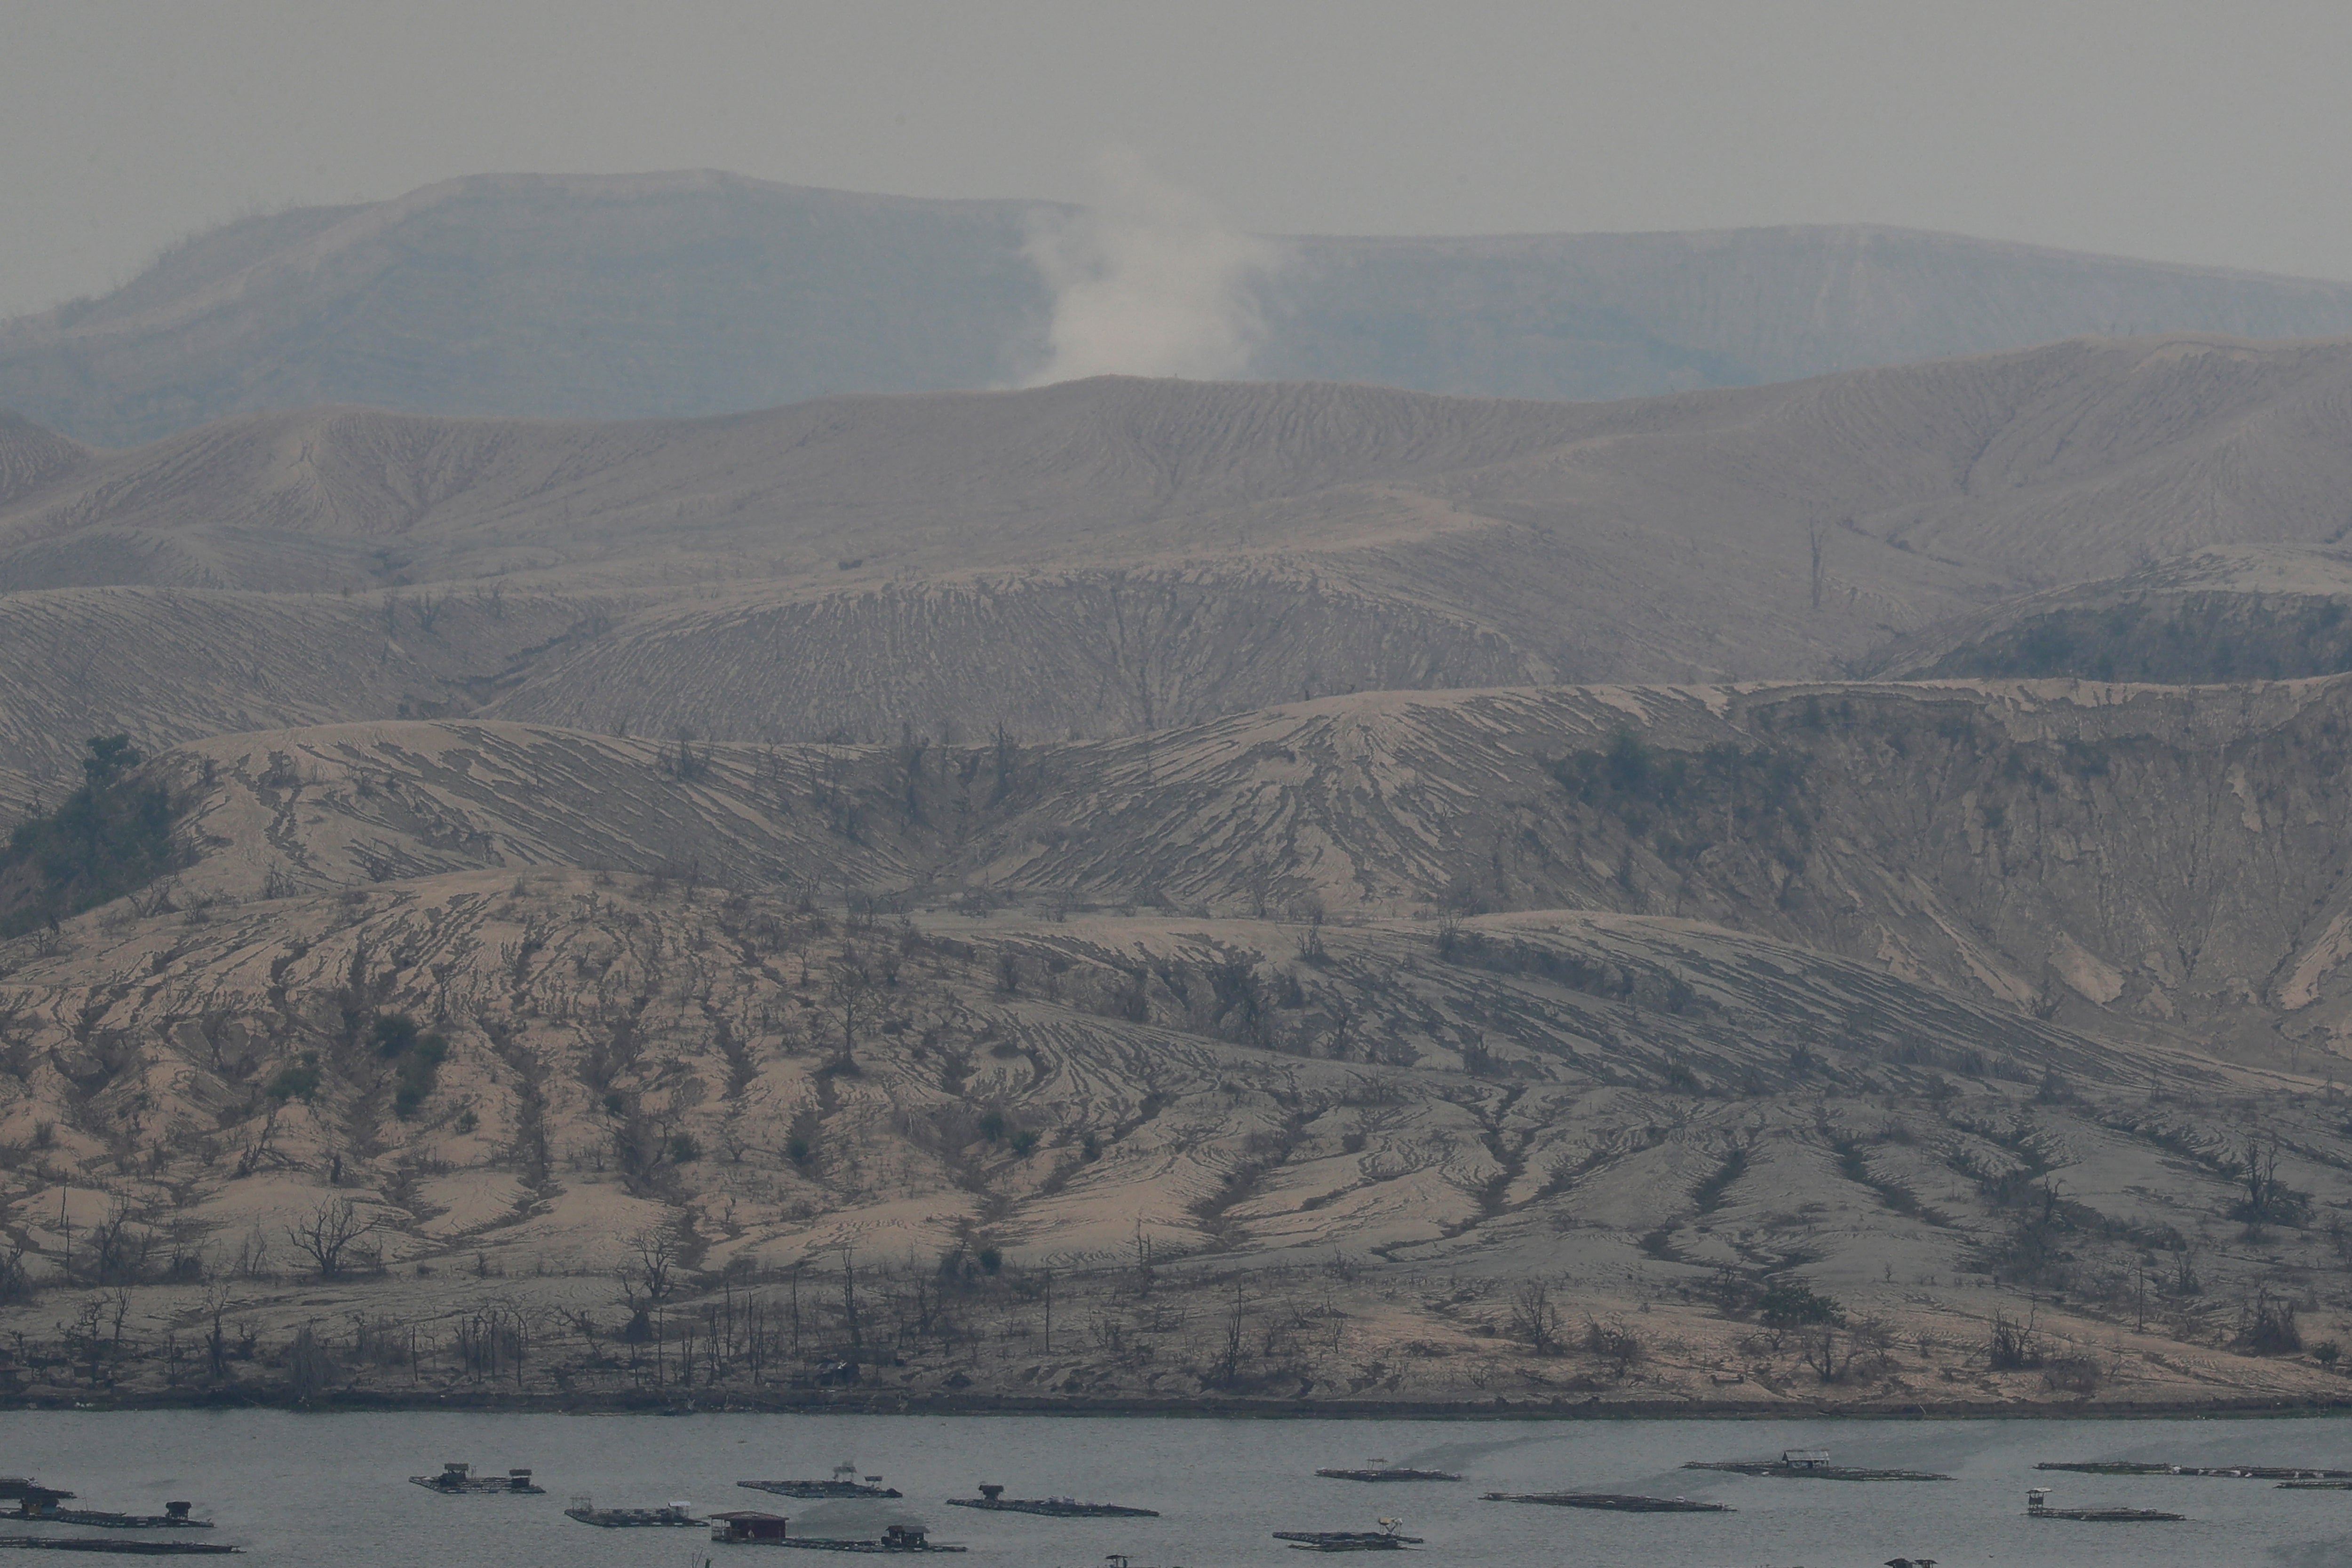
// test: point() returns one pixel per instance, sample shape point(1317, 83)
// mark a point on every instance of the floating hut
point(457, 1477)
point(744, 1526)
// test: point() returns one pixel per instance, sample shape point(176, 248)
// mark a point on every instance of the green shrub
point(298, 1081)
point(418, 1072)
point(1680, 800)
point(105, 838)
point(395, 1033)
point(1791, 1303)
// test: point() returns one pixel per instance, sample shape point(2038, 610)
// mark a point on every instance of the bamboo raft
point(911, 1541)
point(2234, 1472)
point(992, 1497)
point(1619, 1502)
point(2037, 1506)
point(2107, 1515)
point(116, 1548)
point(844, 1484)
point(174, 1517)
point(586, 1511)
point(1385, 1539)
point(1801, 1471)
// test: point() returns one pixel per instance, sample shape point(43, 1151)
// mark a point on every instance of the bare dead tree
point(653, 1260)
point(1533, 1321)
point(2260, 1174)
point(329, 1233)
point(849, 992)
point(849, 1304)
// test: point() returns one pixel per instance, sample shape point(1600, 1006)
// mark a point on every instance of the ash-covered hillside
point(1538, 1037)
point(1115, 556)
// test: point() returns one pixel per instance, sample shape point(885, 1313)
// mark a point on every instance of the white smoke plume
point(1148, 282)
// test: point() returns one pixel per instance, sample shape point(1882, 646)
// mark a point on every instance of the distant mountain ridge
point(1118, 556)
point(677, 294)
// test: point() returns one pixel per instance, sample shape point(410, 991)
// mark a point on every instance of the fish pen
point(585, 1511)
point(992, 1497)
point(750, 1528)
point(1809, 1464)
point(844, 1484)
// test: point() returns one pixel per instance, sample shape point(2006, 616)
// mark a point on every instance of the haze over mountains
point(678, 295)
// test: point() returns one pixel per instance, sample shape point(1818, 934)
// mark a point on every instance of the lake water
point(320, 1490)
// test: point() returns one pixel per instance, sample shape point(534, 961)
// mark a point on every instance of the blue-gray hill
point(677, 294)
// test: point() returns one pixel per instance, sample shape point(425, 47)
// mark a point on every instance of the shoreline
point(358, 1401)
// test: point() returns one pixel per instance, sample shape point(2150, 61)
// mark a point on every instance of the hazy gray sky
point(2210, 132)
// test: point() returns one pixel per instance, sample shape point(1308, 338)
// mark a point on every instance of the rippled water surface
point(332, 1488)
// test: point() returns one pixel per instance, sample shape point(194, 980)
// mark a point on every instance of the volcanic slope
point(691, 293)
point(2157, 863)
point(2235, 613)
point(1116, 555)
point(534, 1002)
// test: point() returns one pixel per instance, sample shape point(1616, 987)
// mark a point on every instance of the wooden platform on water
point(1346, 1540)
point(1617, 1502)
point(631, 1518)
point(1807, 1472)
point(1055, 1507)
point(820, 1491)
point(811, 1543)
point(116, 1548)
point(2229, 1472)
point(2107, 1515)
